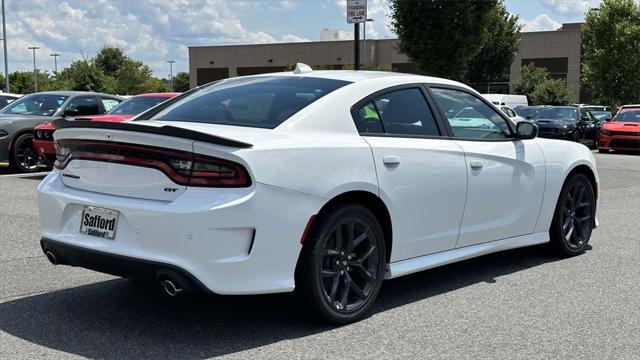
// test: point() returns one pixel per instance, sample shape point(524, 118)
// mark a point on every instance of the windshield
point(35, 104)
point(263, 101)
point(524, 111)
point(631, 115)
point(601, 115)
point(136, 105)
point(557, 113)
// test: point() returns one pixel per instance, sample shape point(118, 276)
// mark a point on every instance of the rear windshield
point(263, 102)
point(136, 105)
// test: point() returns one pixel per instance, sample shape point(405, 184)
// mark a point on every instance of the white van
point(511, 101)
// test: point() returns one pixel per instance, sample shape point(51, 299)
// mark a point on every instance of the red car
point(43, 134)
point(622, 132)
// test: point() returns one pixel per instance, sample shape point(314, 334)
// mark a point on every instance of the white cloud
point(379, 11)
point(541, 22)
point(572, 6)
point(149, 30)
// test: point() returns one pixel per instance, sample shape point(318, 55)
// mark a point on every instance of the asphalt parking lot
point(517, 304)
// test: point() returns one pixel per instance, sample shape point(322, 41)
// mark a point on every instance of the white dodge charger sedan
point(326, 182)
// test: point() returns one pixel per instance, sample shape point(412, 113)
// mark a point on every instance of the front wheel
point(24, 159)
point(574, 217)
point(342, 264)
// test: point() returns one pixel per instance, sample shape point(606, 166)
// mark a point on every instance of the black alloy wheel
point(574, 218)
point(342, 264)
point(24, 159)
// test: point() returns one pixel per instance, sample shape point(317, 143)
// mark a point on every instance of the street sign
point(356, 11)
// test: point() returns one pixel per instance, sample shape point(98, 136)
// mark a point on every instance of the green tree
point(133, 78)
point(181, 81)
point(500, 47)
point(85, 75)
point(530, 78)
point(551, 92)
point(611, 52)
point(21, 82)
point(442, 36)
point(110, 59)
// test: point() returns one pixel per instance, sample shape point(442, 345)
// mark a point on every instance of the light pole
point(171, 62)
point(35, 77)
point(55, 62)
point(4, 40)
point(364, 45)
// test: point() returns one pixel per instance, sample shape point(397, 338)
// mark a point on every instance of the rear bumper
point(233, 241)
point(119, 265)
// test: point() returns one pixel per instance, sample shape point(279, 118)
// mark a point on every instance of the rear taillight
point(182, 167)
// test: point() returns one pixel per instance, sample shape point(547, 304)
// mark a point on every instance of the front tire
point(23, 158)
point(574, 217)
point(342, 264)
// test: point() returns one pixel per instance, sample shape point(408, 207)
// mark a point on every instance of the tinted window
point(136, 105)
point(109, 104)
point(35, 104)
point(368, 121)
point(508, 111)
point(84, 106)
point(264, 101)
point(630, 115)
point(470, 117)
point(567, 114)
point(405, 112)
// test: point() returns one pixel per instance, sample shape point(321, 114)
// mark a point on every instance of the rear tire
point(574, 217)
point(342, 264)
point(23, 158)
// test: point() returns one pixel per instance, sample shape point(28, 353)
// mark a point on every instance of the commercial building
point(559, 51)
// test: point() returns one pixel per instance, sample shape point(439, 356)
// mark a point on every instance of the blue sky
point(157, 30)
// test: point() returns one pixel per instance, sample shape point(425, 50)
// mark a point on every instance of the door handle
point(391, 160)
point(476, 164)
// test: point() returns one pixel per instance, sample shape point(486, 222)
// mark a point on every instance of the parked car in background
point(568, 123)
point(510, 113)
point(622, 133)
point(237, 189)
point(527, 112)
point(511, 101)
point(596, 107)
point(602, 116)
point(127, 109)
point(8, 98)
point(18, 119)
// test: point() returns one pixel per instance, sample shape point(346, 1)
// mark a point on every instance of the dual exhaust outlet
point(171, 287)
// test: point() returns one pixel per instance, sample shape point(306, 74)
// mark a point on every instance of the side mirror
point(607, 119)
point(526, 130)
point(70, 113)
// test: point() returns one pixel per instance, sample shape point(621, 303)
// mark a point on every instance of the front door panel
point(506, 184)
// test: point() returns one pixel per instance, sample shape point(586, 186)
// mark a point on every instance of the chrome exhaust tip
point(51, 257)
point(171, 288)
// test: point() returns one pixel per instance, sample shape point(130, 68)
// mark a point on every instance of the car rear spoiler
point(166, 130)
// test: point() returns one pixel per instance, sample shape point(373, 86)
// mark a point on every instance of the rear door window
point(85, 105)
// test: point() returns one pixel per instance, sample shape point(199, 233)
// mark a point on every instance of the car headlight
point(605, 132)
point(3, 133)
point(47, 134)
point(39, 134)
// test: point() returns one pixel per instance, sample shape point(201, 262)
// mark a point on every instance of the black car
point(527, 112)
point(568, 123)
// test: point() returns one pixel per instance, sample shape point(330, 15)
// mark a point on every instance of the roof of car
point(162, 95)
point(73, 93)
point(362, 75)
